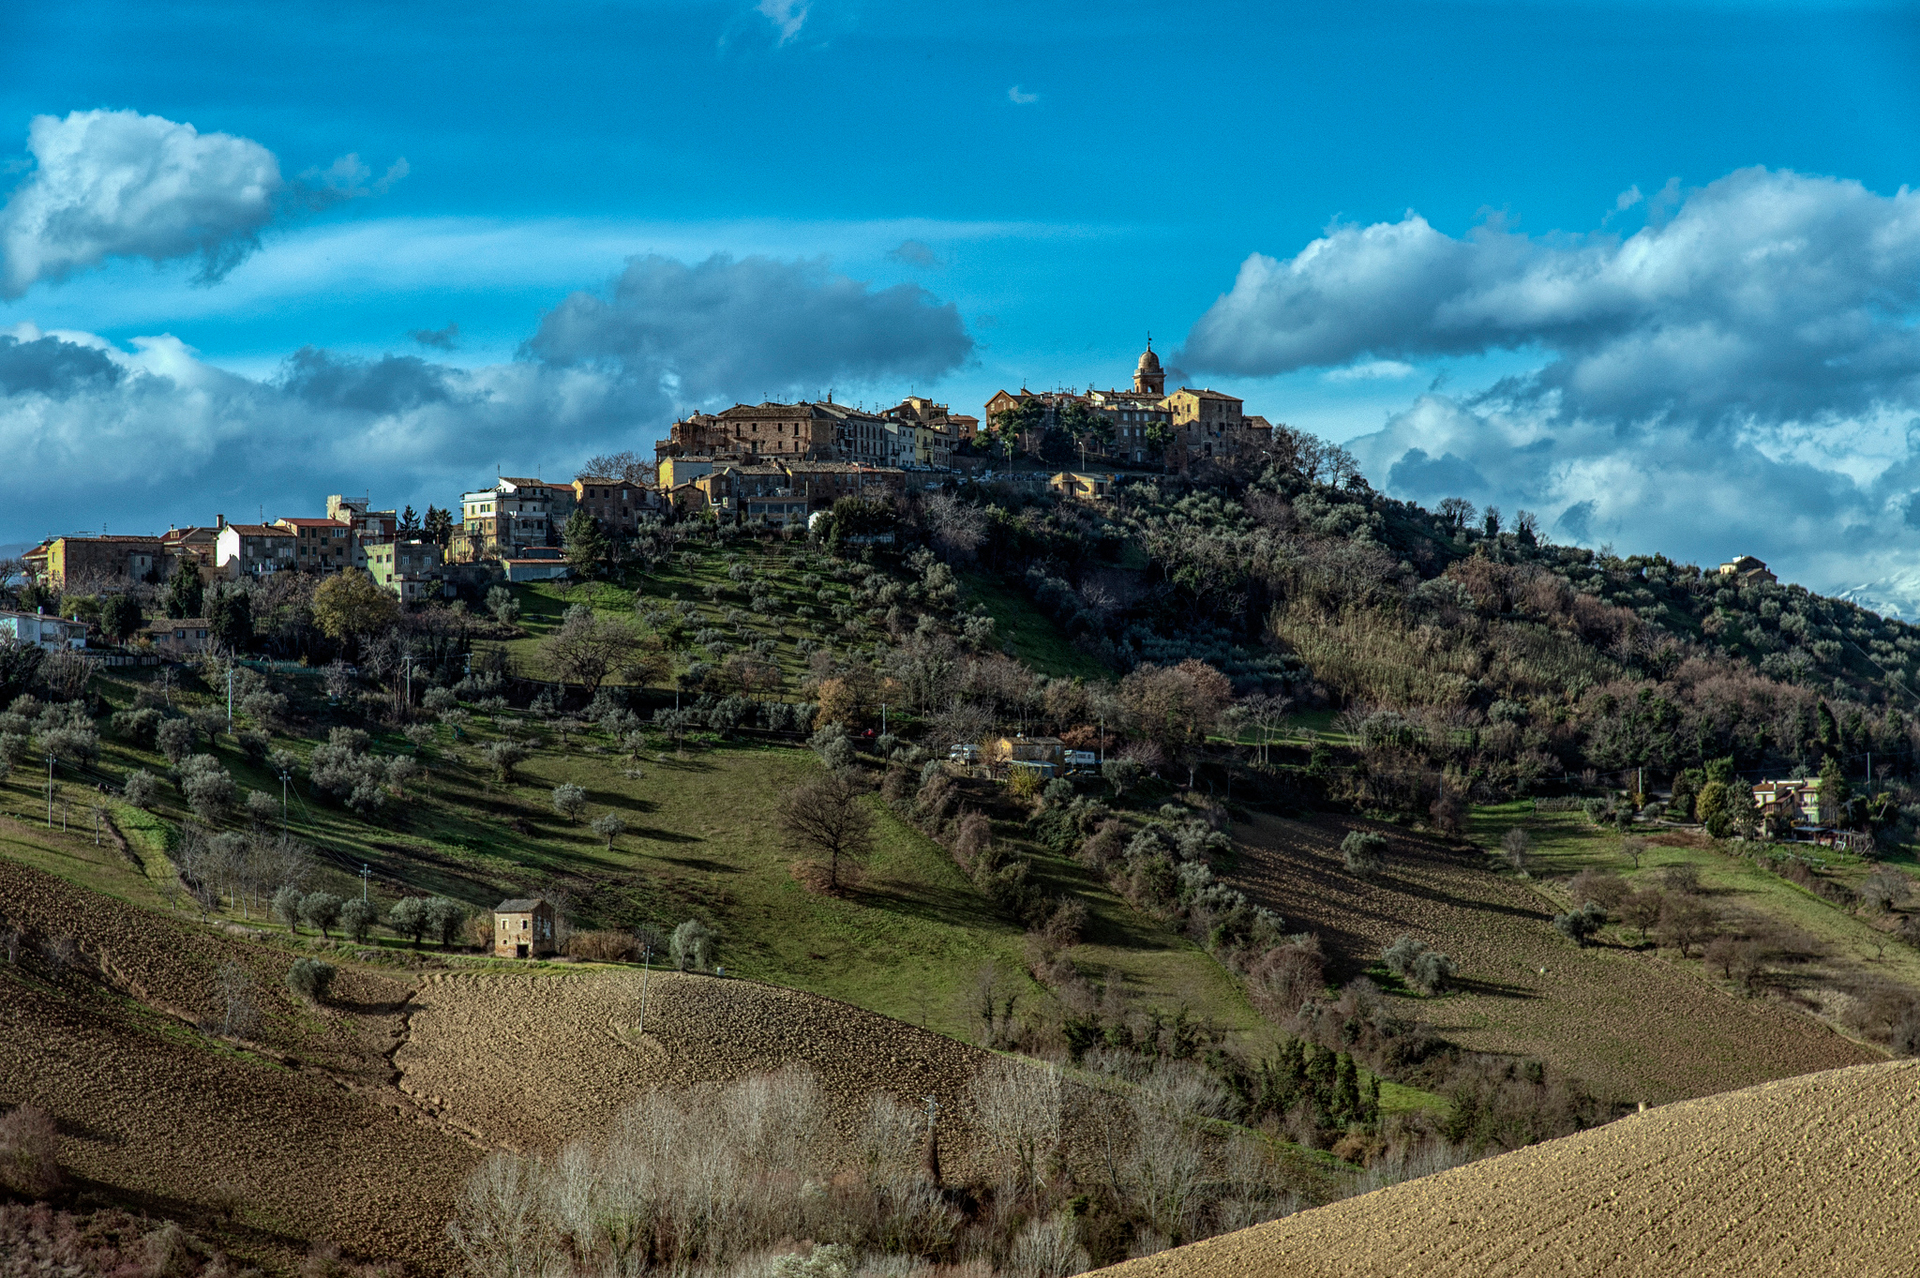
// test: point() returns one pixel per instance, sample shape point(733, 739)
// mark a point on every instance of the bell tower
point(1148, 379)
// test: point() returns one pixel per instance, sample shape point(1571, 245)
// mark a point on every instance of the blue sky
point(952, 200)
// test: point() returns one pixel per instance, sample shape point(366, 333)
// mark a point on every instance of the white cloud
point(1020, 97)
point(1738, 376)
point(157, 435)
point(1371, 371)
point(118, 184)
point(787, 16)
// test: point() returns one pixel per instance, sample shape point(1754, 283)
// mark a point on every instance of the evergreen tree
point(184, 592)
point(1835, 793)
point(587, 545)
point(230, 618)
point(1345, 1106)
point(409, 522)
point(438, 526)
point(119, 617)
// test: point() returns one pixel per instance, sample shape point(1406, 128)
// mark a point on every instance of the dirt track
point(1630, 1025)
point(1813, 1175)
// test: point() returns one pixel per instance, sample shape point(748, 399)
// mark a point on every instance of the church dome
point(1149, 362)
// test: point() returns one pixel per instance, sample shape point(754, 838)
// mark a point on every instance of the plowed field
point(539, 1060)
point(1813, 1175)
point(1632, 1026)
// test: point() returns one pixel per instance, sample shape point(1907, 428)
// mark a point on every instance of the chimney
point(219, 522)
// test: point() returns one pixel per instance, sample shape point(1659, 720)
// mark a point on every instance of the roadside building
point(1046, 754)
point(1082, 486)
point(1747, 571)
point(523, 928)
point(1795, 800)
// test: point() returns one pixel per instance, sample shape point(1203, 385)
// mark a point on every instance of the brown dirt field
point(1812, 1175)
point(1631, 1026)
point(537, 1061)
point(298, 1130)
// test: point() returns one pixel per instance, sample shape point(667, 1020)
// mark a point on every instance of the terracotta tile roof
point(313, 523)
point(260, 530)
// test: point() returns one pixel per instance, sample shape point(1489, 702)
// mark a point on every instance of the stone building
point(523, 928)
point(83, 565)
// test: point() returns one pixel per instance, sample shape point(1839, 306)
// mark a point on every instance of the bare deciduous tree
point(825, 816)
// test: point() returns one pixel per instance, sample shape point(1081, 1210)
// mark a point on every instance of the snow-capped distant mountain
point(1895, 596)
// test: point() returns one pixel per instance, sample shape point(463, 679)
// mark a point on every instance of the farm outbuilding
point(523, 928)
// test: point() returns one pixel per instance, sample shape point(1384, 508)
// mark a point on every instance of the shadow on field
point(664, 836)
point(1496, 989)
point(702, 864)
point(954, 908)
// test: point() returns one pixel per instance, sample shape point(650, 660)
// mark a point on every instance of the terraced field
point(1631, 1025)
point(1813, 1175)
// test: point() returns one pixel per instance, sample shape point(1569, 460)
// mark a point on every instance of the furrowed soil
point(1632, 1026)
point(542, 1059)
point(285, 1130)
point(1812, 1175)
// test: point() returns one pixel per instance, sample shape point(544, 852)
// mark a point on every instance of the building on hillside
point(1747, 571)
point(617, 504)
point(86, 565)
point(823, 483)
point(753, 430)
point(523, 928)
point(410, 569)
point(512, 516)
point(320, 545)
point(198, 542)
point(1797, 801)
point(675, 471)
point(774, 510)
point(929, 431)
point(1051, 751)
point(1082, 486)
point(43, 631)
point(253, 550)
point(179, 638)
point(536, 568)
point(1207, 426)
point(369, 527)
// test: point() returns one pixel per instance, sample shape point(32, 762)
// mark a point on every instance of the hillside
point(1809, 1175)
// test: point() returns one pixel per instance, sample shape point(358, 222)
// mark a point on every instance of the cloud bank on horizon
point(154, 434)
point(1741, 375)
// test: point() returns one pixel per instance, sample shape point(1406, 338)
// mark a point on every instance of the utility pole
point(49, 789)
point(285, 776)
point(229, 695)
point(366, 872)
point(883, 731)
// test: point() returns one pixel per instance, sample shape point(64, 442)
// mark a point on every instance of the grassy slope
point(909, 941)
point(1036, 640)
point(1564, 843)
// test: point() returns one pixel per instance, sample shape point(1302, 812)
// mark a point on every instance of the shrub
point(1515, 845)
point(1122, 774)
point(1580, 926)
point(1419, 965)
point(1024, 784)
point(569, 801)
point(602, 947)
point(311, 979)
point(175, 739)
point(1365, 853)
point(30, 1152)
point(137, 726)
point(408, 918)
point(321, 910)
point(356, 919)
point(141, 788)
point(262, 807)
point(206, 786)
point(444, 918)
point(692, 946)
point(440, 700)
point(286, 906)
point(609, 826)
point(503, 757)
